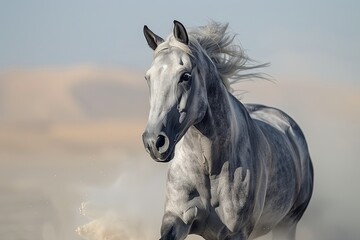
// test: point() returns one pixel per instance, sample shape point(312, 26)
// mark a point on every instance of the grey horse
point(237, 171)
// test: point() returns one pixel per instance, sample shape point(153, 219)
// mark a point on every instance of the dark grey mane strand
point(229, 58)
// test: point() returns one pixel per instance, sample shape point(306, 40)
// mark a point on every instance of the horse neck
point(225, 115)
point(216, 135)
point(225, 128)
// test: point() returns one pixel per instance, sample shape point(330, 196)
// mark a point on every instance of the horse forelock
point(172, 42)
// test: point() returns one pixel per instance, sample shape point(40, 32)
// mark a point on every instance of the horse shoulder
point(187, 190)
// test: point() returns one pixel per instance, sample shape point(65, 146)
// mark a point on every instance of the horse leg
point(173, 227)
point(286, 229)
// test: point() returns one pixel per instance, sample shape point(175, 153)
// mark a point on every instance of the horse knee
point(190, 215)
point(173, 227)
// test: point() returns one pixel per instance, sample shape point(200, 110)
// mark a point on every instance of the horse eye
point(185, 77)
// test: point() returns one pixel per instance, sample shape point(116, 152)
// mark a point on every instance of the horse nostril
point(162, 143)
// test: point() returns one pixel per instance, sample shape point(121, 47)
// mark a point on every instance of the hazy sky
point(317, 38)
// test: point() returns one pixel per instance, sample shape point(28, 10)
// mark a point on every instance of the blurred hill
point(73, 108)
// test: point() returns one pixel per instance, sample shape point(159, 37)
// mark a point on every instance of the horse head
point(177, 96)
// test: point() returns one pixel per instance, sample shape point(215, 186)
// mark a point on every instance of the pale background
point(73, 105)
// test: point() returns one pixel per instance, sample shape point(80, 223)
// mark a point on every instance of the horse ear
point(152, 39)
point(180, 33)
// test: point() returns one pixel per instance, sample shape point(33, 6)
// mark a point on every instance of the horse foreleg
point(173, 227)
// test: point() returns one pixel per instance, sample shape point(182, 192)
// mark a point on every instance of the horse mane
point(228, 57)
point(217, 43)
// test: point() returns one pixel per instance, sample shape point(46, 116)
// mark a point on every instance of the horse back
point(272, 120)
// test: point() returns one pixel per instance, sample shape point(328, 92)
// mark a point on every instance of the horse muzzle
point(158, 146)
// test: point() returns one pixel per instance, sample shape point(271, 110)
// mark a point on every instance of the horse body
point(237, 171)
point(229, 199)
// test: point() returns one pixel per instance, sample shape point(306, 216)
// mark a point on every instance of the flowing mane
point(219, 45)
